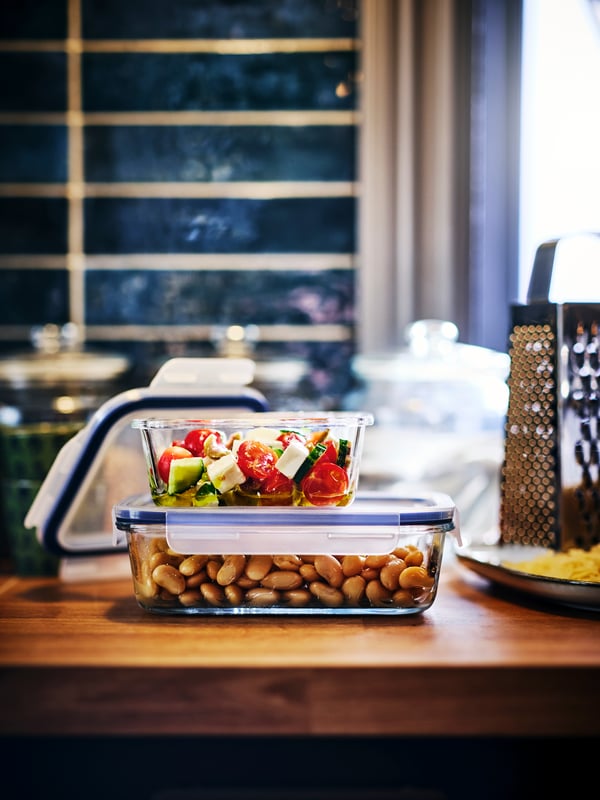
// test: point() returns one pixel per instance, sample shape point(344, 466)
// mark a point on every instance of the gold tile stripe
point(75, 235)
point(33, 190)
point(286, 118)
point(174, 333)
point(233, 189)
point(76, 191)
point(219, 46)
point(33, 118)
point(224, 261)
point(172, 118)
point(32, 45)
point(311, 262)
point(199, 333)
point(33, 262)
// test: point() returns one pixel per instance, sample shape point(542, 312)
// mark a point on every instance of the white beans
point(164, 578)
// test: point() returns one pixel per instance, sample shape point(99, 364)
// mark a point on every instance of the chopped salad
point(266, 466)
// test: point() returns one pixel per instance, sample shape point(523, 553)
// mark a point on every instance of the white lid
point(104, 461)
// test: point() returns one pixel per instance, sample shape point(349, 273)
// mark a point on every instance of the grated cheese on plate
point(572, 565)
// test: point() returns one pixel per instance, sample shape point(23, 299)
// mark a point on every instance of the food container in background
point(26, 454)
point(58, 378)
point(439, 407)
point(381, 555)
point(305, 459)
point(46, 396)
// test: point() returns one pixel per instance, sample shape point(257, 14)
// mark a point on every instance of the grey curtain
point(438, 168)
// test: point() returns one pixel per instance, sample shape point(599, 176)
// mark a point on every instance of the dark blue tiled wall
point(125, 136)
point(215, 82)
point(218, 153)
point(223, 225)
point(176, 297)
point(223, 19)
point(33, 82)
point(33, 19)
point(33, 153)
point(33, 225)
point(30, 295)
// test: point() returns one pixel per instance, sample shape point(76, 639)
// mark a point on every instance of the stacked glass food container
point(236, 509)
point(262, 515)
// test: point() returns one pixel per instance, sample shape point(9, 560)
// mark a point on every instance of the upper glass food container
point(265, 459)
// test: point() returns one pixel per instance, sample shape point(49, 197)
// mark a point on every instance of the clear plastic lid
point(374, 523)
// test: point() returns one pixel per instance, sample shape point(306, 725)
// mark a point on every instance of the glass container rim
point(259, 419)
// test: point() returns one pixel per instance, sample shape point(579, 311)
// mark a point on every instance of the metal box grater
point(550, 480)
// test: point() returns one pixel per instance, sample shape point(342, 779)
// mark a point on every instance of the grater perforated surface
point(528, 511)
point(581, 496)
point(550, 482)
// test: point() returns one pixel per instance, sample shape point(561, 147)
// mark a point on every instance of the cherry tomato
point(330, 453)
point(287, 436)
point(276, 490)
point(277, 483)
point(195, 439)
point(326, 484)
point(168, 454)
point(255, 459)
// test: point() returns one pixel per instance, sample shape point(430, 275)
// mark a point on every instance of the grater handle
point(541, 274)
point(544, 262)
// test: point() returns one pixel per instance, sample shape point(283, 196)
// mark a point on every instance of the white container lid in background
point(103, 462)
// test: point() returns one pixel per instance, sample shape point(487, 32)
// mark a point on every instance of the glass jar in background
point(440, 407)
point(46, 396)
point(281, 380)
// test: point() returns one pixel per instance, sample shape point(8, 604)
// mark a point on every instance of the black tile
point(33, 225)
point(33, 153)
point(213, 82)
point(206, 19)
point(33, 82)
point(296, 225)
point(172, 297)
point(220, 153)
point(33, 19)
point(34, 296)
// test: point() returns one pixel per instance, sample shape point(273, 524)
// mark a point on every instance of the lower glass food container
point(381, 555)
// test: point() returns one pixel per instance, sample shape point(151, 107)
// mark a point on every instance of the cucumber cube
point(183, 473)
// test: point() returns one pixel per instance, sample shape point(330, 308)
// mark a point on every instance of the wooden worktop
point(83, 658)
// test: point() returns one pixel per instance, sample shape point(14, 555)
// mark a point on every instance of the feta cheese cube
point(225, 473)
point(292, 458)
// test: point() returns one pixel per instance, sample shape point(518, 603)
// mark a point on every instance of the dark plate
point(487, 561)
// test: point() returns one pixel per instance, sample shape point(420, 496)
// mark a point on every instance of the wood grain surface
point(85, 659)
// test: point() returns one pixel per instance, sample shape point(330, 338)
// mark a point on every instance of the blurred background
point(299, 181)
point(325, 172)
point(170, 169)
